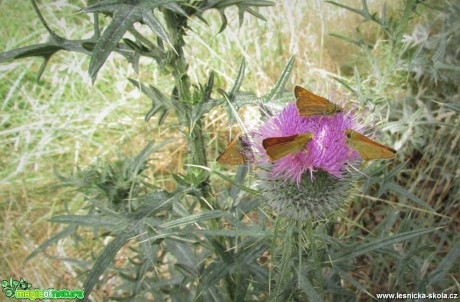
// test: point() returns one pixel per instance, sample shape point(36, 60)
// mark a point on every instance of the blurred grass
point(66, 123)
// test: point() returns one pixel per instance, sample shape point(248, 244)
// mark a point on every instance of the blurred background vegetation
point(404, 69)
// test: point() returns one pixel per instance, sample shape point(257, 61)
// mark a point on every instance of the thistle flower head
point(313, 181)
point(327, 151)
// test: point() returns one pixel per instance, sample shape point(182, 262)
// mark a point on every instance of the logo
point(22, 290)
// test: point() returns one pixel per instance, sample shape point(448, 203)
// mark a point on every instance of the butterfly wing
point(309, 104)
point(367, 148)
point(278, 147)
point(273, 141)
point(232, 154)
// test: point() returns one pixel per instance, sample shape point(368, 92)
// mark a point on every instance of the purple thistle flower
point(313, 182)
point(327, 151)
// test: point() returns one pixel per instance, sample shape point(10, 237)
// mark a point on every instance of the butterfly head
point(348, 133)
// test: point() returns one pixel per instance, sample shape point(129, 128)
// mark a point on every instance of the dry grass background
point(65, 122)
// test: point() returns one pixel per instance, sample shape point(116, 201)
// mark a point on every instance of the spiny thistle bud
point(315, 199)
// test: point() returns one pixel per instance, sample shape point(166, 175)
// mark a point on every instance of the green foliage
point(423, 64)
point(161, 230)
point(125, 206)
point(125, 13)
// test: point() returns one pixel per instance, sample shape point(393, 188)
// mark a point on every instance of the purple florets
point(327, 151)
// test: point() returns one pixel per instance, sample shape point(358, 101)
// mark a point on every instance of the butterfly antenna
point(237, 117)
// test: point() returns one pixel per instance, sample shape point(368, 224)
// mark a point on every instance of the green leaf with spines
point(240, 177)
point(279, 85)
point(449, 262)
point(136, 46)
point(183, 253)
point(94, 221)
point(242, 5)
point(208, 88)
point(155, 25)
point(248, 232)
point(306, 286)
point(160, 103)
point(453, 106)
point(70, 230)
point(105, 258)
point(249, 190)
point(377, 244)
point(194, 218)
point(238, 81)
point(124, 14)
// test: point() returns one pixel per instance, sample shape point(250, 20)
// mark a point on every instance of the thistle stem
point(176, 25)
